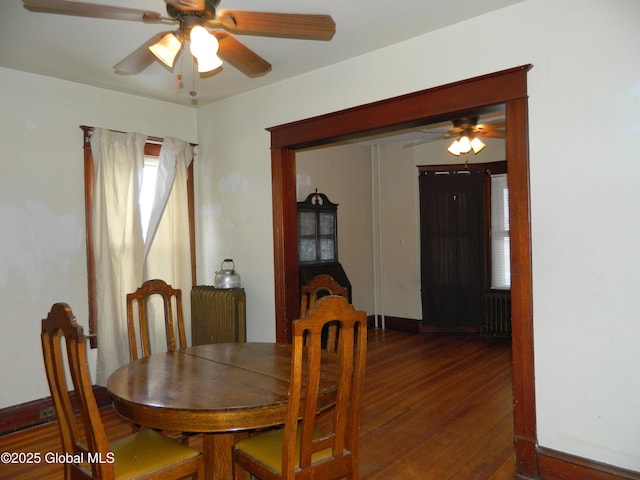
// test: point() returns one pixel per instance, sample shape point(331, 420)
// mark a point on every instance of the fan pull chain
point(179, 77)
point(193, 92)
point(178, 84)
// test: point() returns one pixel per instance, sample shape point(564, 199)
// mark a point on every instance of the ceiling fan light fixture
point(454, 148)
point(167, 48)
point(477, 145)
point(207, 63)
point(204, 46)
point(202, 42)
point(464, 144)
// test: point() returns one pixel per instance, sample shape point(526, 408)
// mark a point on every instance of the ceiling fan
point(201, 16)
point(469, 127)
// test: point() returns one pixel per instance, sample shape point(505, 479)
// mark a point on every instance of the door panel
point(453, 264)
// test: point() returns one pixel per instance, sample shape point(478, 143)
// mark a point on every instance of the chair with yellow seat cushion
point(146, 454)
point(300, 449)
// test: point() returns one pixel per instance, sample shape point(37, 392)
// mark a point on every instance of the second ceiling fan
point(206, 29)
point(466, 127)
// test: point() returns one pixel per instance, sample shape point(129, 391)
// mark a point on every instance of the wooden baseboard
point(424, 328)
point(37, 412)
point(400, 324)
point(554, 465)
point(526, 457)
point(411, 325)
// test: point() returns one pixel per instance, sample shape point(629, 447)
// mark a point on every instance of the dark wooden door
point(453, 258)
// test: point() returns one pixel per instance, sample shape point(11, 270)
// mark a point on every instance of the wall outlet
point(47, 413)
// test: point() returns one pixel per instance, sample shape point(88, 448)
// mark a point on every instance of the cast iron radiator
point(497, 314)
point(217, 315)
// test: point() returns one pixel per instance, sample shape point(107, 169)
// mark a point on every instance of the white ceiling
point(84, 50)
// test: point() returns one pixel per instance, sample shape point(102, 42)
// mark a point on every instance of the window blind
point(500, 239)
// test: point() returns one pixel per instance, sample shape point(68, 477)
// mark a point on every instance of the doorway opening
point(507, 87)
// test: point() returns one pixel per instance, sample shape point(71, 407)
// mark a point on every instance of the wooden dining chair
point(146, 454)
point(300, 449)
point(139, 331)
point(319, 286)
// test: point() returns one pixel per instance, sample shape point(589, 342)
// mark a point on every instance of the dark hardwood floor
point(436, 407)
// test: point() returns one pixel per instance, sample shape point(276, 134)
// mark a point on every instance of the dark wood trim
point(152, 149)
point(88, 215)
point(506, 89)
point(192, 220)
point(285, 229)
point(525, 450)
point(405, 111)
point(452, 330)
point(517, 147)
point(490, 167)
point(29, 414)
point(371, 322)
point(400, 324)
point(563, 466)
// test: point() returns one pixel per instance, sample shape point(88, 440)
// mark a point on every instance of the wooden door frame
point(507, 87)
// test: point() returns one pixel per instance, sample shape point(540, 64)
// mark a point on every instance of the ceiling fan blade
point(187, 5)
point(81, 9)
point(285, 25)
point(427, 140)
point(492, 134)
point(491, 129)
point(139, 59)
point(500, 123)
point(241, 57)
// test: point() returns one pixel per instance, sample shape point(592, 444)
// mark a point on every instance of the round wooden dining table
point(221, 390)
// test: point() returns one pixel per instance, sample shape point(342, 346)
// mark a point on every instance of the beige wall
point(42, 244)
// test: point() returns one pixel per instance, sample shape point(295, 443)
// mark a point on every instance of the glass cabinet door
point(317, 230)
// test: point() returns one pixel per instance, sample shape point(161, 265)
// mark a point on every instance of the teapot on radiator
point(227, 278)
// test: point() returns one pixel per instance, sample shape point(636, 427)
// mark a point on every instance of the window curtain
point(452, 240)
point(167, 245)
point(118, 246)
point(123, 259)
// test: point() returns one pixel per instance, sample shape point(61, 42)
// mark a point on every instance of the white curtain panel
point(168, 247)
point(118, 245)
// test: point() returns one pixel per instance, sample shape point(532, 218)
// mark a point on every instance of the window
point(151, 151)
point(500, 239)
point(149, 174)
